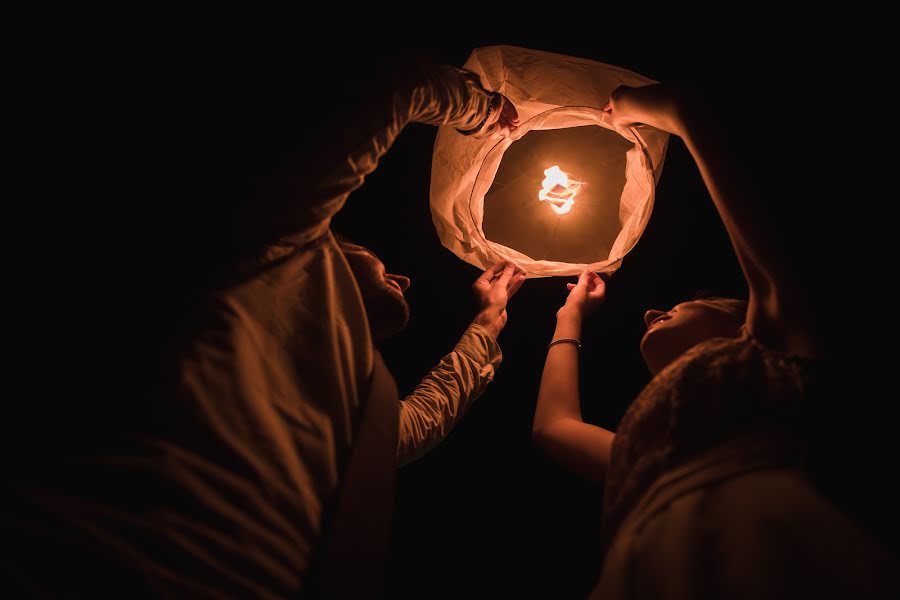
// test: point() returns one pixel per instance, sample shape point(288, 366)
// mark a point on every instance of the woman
point(703, 492)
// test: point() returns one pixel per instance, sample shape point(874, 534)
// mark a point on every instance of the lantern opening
point(483, 190)
point(579, 173)
point(558, 190)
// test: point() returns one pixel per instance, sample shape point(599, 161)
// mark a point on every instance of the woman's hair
point(733, 306)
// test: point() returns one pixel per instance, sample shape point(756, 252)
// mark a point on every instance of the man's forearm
point(308, 193)
point(434, 95)
point(442, 398)
point(489, 319)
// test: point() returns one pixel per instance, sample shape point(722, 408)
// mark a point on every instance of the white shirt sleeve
point(445, 394)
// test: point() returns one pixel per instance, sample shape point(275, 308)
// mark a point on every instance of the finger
point(584, 277)
point(514, 286)
point(492, 272)
point(598, 287)
point(507, 274)
point(570, 286)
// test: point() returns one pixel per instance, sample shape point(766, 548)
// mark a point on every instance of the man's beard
point(387, 310)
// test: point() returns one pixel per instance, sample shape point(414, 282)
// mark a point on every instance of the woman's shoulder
point(733, 361)
point(791, 353)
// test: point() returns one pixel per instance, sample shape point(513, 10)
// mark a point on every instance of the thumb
point(584, 278)
point(507, 274)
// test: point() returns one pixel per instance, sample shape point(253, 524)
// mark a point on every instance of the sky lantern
point(567, 190)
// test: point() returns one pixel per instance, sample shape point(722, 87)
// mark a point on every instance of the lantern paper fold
point(550, 92)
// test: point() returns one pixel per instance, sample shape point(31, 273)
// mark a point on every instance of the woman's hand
point(584, 296)
point(655, 105)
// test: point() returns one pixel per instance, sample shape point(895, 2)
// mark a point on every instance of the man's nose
point(402, 280)
point(650, 315)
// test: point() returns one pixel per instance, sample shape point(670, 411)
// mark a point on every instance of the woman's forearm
point(777, 311)
point(558, 429)
point(558, 426)
point(558, 395)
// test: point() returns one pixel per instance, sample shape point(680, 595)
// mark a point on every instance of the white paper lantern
point(495, 199)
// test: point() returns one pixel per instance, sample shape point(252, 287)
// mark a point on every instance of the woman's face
point(671, 334)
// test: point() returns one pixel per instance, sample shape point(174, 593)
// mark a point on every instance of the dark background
point(484, 513)
point(486, 510)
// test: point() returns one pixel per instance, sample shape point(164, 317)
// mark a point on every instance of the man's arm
point(311, 188)
point(446, 393)
point(442, 398)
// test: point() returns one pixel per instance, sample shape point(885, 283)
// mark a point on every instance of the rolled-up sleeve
point(446, 393)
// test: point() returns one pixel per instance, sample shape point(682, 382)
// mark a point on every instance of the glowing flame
point(558, 190)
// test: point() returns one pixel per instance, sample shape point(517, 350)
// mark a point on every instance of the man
point(445, 394)
point(226, 473)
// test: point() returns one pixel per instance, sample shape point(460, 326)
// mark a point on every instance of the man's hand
point(493, 290)
point(584, 296)
point(503, 120)
point(509, 117)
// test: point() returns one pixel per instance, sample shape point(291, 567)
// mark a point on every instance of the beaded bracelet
point(565, 341)
point(478, 127)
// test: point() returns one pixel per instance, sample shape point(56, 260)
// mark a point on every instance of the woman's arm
point(777, 311)
point(558, 426)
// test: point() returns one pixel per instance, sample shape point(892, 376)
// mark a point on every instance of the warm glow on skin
point(557, 190)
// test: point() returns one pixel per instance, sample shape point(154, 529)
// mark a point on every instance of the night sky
point(485, 514)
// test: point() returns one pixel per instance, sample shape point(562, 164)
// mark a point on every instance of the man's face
point(382, 292)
